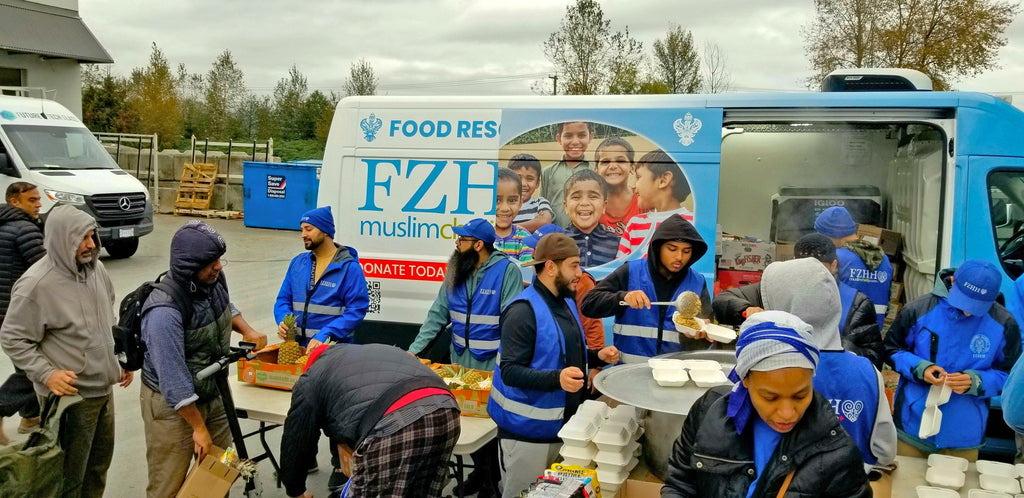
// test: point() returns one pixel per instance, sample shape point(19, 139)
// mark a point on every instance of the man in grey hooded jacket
point(851, 384)
point(57, 330)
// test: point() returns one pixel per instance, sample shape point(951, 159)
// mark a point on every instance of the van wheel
point(124, 248)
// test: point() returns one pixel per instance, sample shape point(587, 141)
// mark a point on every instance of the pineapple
point(302, 361)
point(290, 350)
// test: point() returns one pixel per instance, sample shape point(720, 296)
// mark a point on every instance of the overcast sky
point(434, 47)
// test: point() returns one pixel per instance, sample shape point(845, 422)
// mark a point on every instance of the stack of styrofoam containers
point(617, 448)
point(997, 477)
point(931, 419)
point(577, 434)
point(668, 372)
point(705, 373)
point(945, 471)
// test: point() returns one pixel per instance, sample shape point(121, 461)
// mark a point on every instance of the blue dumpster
point(276, 194)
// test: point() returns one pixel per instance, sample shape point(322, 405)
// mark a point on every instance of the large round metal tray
point(633, 384)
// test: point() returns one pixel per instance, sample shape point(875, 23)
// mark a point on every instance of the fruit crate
point(472, 402)
point(264, 370)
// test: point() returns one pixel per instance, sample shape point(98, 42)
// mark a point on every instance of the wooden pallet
point(195, 189)
point(209, 213)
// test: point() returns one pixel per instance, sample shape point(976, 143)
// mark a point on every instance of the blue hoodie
point(332, 307)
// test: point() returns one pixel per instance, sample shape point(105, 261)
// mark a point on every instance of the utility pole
point(554, 77)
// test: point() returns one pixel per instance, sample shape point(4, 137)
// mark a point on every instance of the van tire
point(123, 248)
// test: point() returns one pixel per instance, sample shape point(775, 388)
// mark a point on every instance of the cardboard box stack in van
point(741, 261)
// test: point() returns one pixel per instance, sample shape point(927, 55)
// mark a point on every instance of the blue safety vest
point(850, 385)
point(529, 412)
point(479, 314)
point(846, 295)
point(873, 283)
point(637, 331)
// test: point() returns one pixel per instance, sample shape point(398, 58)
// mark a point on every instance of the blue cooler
point(276, 194)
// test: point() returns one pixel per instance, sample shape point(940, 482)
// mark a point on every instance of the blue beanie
point(835, 222)
point(320, 218)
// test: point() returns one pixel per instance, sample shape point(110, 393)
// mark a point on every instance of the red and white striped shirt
point(640, 228)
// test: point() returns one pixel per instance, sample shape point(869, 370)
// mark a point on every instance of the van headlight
point(66, 197)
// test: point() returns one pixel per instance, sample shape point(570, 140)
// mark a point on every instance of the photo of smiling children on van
point(661, 189)
point(509, 199)
point(574, 139)
point(585, 196)
point(536, 211)
point(613, 160)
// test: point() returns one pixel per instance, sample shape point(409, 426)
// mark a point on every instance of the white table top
point(271, 405)
point(910, 474)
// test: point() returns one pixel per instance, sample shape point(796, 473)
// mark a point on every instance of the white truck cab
point(43, 143)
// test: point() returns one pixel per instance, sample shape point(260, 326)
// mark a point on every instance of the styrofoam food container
point(631, 424)
point(933, 492)
point(687, 331)
point(981, 493)
point(613, 436)
point(1020, 469)
point(997, 469)
point(618, 469)
point(623, 413)
point(665, 363)
point(947, 462)
point(617, 458)
point(586, 453)
point(587, 417)
point(708, 378)
point(611, 479)
point(670, 377)
point(931, 422)
point(1002, 484)
point(720, 333)
point(594, 406)
point(938, 395)
point(947, 478)
point(578, 432)
point(589, 464)
point(701, 365)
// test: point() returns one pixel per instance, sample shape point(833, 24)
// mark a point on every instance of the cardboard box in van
point(745, 254)
point(888, 240)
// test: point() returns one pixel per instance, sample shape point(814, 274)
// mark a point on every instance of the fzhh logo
point(370, 125)
point(980, 345)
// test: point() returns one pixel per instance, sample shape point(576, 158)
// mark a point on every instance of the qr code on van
point(373, 289)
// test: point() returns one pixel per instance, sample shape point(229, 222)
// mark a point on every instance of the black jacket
point(860, 332)
point(345, 393)
point(710, 459)
point(603, 300)
point(21, 244)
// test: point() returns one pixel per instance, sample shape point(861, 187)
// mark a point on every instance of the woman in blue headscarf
point(771, 433)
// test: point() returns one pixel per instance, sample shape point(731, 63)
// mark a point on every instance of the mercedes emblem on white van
point(125, 203)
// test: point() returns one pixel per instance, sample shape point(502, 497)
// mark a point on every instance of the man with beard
point(537, 389)
point(479, 282)
point(324, 288)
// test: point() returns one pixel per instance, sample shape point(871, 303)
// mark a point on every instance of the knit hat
point(770, 340)
point(817, 246)
point(975, 287)
point(553, 247)
point(320, 218)
point(835, 222)
point(541, 231)
point(478, 228)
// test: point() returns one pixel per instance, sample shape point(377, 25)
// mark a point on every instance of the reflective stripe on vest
point(479, 313)
point(528, 412)
point(636, 330)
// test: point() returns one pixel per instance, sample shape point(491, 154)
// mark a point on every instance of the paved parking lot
point(257, 261)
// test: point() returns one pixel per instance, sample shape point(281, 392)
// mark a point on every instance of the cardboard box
point(729, 279)
point(745, 254)
point(888, 240)
point(472, 402)
point(784, 251)
point(639, 489)
point(345, 457)
point(264, 370)
point(209, 478)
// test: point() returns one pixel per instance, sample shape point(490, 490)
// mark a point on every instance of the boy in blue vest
point(965, 340)
point(325, 288)
point(851, 384)
point(544, 357)
point(862, 265)
point(642, 331)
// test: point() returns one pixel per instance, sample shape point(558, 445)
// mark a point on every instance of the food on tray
point(687, 311)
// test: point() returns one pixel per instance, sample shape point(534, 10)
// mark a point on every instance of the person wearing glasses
point(479, 283)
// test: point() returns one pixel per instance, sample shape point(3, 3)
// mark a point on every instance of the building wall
point(62, 75)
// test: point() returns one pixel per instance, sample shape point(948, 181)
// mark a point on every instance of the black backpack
point(128, 344)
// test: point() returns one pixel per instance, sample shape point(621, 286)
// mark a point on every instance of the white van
point(944, 169)
point(43, 143)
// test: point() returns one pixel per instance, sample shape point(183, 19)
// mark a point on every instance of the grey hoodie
point(805, 288)
point(61, 312)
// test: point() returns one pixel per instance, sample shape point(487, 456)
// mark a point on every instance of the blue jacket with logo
point(332, 307)
point(479, 313)
point(874, 283)
point(930, 331)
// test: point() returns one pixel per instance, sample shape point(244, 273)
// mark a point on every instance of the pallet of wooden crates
point(195, 189)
